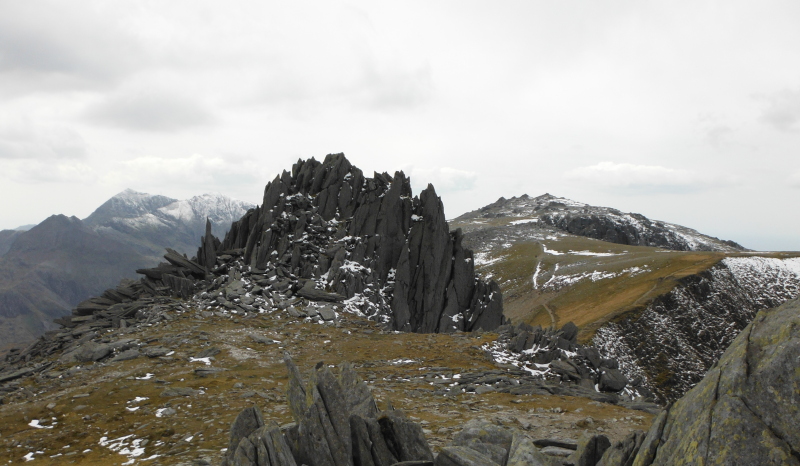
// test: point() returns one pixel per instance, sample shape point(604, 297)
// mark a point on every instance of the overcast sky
point(687, 112)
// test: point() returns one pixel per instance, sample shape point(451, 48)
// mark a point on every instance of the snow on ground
point(596, 254)
point(483, 258)
point(557, 282)
point(128, 446)
point(502, 355)
point(524, 221)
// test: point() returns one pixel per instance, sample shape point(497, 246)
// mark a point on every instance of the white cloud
point(645, 177)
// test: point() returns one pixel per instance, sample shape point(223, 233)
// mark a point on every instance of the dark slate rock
point(590, 449)
point(155, 351)
point(179, 391)
point(208, 371)
point(462, 456)
point(178, 260)
point(569, 444)
point(623, 452)
point(245, 454)
point(486, 438)
point(356, 393)
point(208, 352)
point(309, 292)
point(126, 355)
point(369, 447)
point(245, 423)
point(13, 375)
point(262, 339)
point(565, 369)
point(612, 380)
point(92, 351)
point(327, 313)
point(404, 437)
point(591, 354)
point(570, 332)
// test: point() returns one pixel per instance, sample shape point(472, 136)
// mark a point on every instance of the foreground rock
point(338, 424)
point(745, 410)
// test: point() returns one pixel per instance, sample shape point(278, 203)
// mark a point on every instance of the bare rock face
point(745, 410)
point(366, 237)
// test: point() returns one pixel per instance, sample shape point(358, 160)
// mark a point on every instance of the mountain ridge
point(603, 223)
point(47, 270)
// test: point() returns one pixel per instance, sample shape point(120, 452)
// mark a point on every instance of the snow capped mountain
point(603, 223)
point(62, 261)
point(131, 211)
point(128, 204)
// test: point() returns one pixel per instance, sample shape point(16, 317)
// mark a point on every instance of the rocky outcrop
point(745, 409)
point(368, 239)
point(554, 355)
point(632, 229)
point(677, 338)
point(337, 423)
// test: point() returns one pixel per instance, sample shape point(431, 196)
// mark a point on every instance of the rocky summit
point(325, 227)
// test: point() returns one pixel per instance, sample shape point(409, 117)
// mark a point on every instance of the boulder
point(612, 380)
point(486, 438)
point(744, 411)
point(404, 437)
point(524, 453)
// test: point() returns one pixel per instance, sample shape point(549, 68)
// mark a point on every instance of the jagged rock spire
point(368, 237)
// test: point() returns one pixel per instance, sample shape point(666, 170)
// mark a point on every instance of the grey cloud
point(46, 45)
point(783, 110)
point(158, 111)
point(23, 140)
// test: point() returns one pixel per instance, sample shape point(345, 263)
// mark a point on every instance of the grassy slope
point(90, 404)
point(588, 303)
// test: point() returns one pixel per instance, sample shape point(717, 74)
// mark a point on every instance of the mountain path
point(551, 313)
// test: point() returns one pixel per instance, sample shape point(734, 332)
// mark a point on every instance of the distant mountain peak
point(604, 223)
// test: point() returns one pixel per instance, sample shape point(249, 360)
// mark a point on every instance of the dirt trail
point(553, 320)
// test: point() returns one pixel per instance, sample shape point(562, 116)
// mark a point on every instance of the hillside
point(335, 269)
point(344, 268)
point(50, 268)
point(617, 293)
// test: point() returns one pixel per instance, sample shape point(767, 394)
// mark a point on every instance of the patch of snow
point(590, 253)
point(401, 361)
point(524, 221)
point(206, 361)
point(126, 446)
point(551, 252)
point(36, 424)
